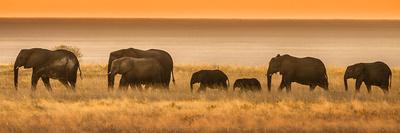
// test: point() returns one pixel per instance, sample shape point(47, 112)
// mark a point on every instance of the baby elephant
point(377, 74)
point(247, 84)
point(213, 79)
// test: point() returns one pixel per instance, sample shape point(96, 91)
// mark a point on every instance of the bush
point(73, 49)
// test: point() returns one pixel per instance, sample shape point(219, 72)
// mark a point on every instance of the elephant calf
point(247, 84)
point(377, 74)
point(213, 79)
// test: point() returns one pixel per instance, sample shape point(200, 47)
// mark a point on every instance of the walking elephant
point(163, 57)
point(307, 71)
point(137, 71)
point(376, 73)
point(59, 64)
point(213, 79)
point(247, 84)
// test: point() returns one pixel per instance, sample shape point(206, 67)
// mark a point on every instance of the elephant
point(161, 56)
point(247, 84)
point(137, 71)
point(58, 64)
point(213, 79)
point(376, 73)
point(306, 71)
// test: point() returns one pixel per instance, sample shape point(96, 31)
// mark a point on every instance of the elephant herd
point(154, 68)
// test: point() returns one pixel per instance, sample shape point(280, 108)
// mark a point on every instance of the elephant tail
point(390, 80)
point(173, 77)
point(80, 72)
point(327, 82)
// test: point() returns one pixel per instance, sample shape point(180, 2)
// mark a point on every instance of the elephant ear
point(360, 70)
point(200, 76)
point(35, 58)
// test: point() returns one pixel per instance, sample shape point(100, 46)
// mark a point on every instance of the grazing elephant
point(137, 71)
point(59, 64)
point(161, 56)
point(213, 79)
point(307, 71)
point(377, 73)
point(247, 84)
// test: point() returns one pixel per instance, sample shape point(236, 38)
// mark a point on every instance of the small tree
point(73, 49)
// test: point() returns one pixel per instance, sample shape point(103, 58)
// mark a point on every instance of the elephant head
point(353, 71)
point(236, 84)
point(196, 78)
point(29, 58)
point(274, 67)
point(120, 66)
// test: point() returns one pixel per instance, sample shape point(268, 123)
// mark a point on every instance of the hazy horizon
point(210, 41)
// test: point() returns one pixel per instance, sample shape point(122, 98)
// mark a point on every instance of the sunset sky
point(242, 9)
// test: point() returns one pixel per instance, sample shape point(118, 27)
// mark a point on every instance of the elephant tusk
point(109, 73)
point(17, 68)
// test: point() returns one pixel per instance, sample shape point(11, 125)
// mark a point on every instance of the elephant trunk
point(346, 87)
point(269, 78)
point(234, 86)
point(16, 68)
point(110, 77)
point(192, 81)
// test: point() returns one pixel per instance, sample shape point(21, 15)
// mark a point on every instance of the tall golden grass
point(93, 109)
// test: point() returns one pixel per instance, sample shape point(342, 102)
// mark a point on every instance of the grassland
point(93, 109)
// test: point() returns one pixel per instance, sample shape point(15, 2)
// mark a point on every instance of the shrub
point(73, 49)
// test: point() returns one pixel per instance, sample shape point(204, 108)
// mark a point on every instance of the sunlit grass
point(93, 109)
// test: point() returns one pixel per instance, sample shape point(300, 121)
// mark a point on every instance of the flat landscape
point(94, 109)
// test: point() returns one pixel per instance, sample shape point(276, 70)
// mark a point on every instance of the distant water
point(242, 42)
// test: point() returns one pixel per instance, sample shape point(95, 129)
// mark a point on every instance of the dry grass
point(93, 109)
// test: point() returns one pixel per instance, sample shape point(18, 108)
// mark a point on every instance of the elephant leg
point(282, 85)
point(147, 86)
point(288, 83)
point(139, 85)
point(136, 86)
point(312, 87)
point(46, 81)
point(35, 79)
point(358, 85)
point(369, 86)
point(65, 83)
point(224, 86)
point(202, 88)
point(123, 83)
point(72, 80)
point(385, 87)
point(288, 87)
point(132, 85)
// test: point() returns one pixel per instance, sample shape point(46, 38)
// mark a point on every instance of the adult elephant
point(213, 79)
point(137, 71)
point(59, 64)
point(307, 71)
point(161, 56)
point(376, 73)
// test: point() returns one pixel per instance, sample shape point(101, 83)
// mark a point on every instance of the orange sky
point(259, 9)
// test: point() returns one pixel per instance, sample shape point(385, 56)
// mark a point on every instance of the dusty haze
point(195, 41)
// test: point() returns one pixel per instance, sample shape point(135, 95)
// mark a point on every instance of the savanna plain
point(92, 108)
